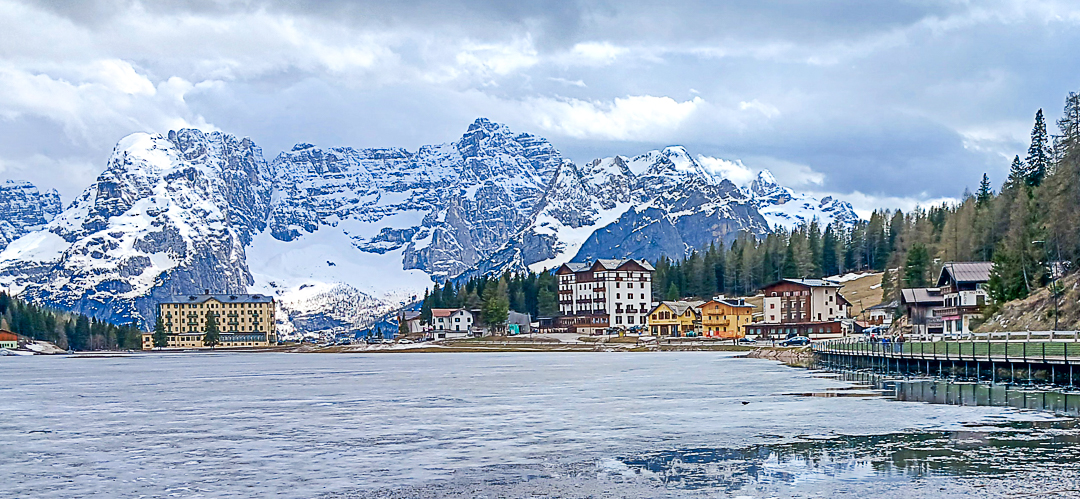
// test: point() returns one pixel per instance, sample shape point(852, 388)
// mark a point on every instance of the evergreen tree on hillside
point(1069, 125)
point(80, 339)
point(1039, 154)
point(916, 267)
point(672, 293)
point(1017, 175)
point(496, 305)
point(425, 308)
point(547, 303)
point(161, 338)
point(830, 263)
point(985, 193)
point(211, 333)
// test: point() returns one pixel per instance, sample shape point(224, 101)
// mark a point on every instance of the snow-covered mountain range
point(341, 235)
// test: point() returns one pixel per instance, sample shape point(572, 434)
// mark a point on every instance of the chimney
point(206, 291)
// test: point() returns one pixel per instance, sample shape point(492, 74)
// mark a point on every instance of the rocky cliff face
point(658, 203)
point(24, 209)
point(168, 214)
point(341, 235)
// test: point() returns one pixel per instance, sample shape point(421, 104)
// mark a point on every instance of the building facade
point(802, 307)
point(882, 314)
point(725, 318)
point(676, 319)
point(450, 323)
point(8, 339)
point(963, 294)
point(804, 300)
point(923, 309)
point(605, 295)
point(412, 321)
point(244, 321)
point(781, 330)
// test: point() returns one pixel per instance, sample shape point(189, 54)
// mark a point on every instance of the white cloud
point(594, 54)
point(69, 176)
point(490, 59)
point(98, 102)
point(734, 171)
point(768, 110)
point(573, 83)
point(637, 117)
point(789, 174)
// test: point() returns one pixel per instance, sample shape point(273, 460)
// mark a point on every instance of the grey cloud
point(875, 96)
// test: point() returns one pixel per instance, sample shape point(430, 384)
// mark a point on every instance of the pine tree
point(985, 193)
point(672, 292)
point(161, 338)
point(425, 308)
point(496, 306)
point(829, 259)
point(211, 334)
point(1069, 125)
point(916, 267)
point(1039, 154)
point(547, 303)
point(1017, 175)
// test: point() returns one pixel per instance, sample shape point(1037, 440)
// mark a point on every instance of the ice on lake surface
point(499, 425)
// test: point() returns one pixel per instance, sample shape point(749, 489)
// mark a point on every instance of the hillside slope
point(1036, 312)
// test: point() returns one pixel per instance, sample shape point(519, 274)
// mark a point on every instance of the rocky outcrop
point(24, 209)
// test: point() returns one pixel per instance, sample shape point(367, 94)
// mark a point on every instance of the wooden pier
point(1029, 357)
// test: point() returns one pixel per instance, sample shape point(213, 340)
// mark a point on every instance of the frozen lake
point(496, 425)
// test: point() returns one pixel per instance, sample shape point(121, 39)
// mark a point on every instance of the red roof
point(8, 336)
point(443, 312)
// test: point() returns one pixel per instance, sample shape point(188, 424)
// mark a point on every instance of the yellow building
point(244, 321)
point(725, 318)
point(676, 318)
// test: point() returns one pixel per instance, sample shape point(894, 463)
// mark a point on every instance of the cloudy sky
point(884, 104)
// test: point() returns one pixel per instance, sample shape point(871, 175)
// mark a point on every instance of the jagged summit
point(766, 190)
point(783, 207)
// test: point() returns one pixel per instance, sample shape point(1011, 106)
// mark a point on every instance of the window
point(618, 319)
point(629, 319)
point(772, 305)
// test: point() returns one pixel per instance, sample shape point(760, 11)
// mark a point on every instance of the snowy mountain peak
point(765, 177)
point(766, 190)
point(783, 207)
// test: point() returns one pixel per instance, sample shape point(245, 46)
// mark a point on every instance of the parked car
point(405, 341)
point(747, 341)
point(797, 341)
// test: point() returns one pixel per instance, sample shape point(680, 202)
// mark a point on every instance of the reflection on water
point(1032, 458)
point(978, 452)
point(945, 391)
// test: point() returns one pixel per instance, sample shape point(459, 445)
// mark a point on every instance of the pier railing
point(1048, 347)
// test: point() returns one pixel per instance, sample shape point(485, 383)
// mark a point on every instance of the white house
point(449, 323)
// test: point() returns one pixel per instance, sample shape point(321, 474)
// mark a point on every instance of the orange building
point(725, 318)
